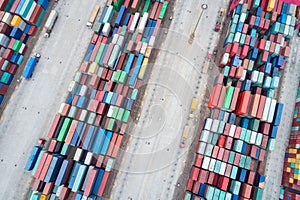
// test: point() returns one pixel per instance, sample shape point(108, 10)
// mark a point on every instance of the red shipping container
point(244, 52)
point(54, 126)
point(52, 145)
point(223, 183)
point(71, 131)
point(45, 167)
point(117, 146)
point(198, 160)
point(234, 98)
point(244, 100)
point(90, 183)
point(196, 187)
point(261, 107)
point(246, 190)
point(222, 97)
point(221, 141)
point(153, 11)
point(226, 155)
point(228, 47)
point(189, 184)
point(254, 106)
point(234, 49)
point(103, 183)
point(261, 45)
point(237, 132)
point(232, 72)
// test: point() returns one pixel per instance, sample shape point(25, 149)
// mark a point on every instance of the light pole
point(192, 36)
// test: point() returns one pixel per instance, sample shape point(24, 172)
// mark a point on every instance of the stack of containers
point(87, 132)
point(234, 142)
point(18, 20)
point(291, 166)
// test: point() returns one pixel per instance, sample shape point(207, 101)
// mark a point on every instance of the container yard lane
point(38, 99)
point(153, 160)
point(287, 96)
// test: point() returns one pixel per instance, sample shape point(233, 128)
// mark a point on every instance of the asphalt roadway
point(34, 103)
point(153, 160)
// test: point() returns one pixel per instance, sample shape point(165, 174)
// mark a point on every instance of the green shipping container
point(187, 196)
point(256, 3)
point(235, 187)
point(258, 192)
point(126, 116)
point(5, 78)
point(238, 145)
point(254, 125)
point(231, 157)
point(248, 162)
point(120, 114)
point(64, 130)
point(134, 94)
point(97, 27)
point(228, 97)
point(248, 136)
point(118, 4)
point(17, 45)
point(163, 10)
point(9, 5)
point(115, 112)
point(233, 173)
point(111, 124)
point(215, 138)
point(24, 12)
point(116, 76)
point(210, 192)
point(242, 161)
point(243, 134)
point(146, 6)
point(99, 53)
point(77, 77)
point(217, 193)
point(217, 167)
point(123, 77)
point(226, 70)
point(38, 23)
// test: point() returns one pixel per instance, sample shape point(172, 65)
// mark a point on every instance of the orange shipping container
point(214, 97)
point(222, 97)
point(243, 103)
point(261, 107)
point(254, 105)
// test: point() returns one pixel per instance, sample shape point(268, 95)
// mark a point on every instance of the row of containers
point(87, 132)
point(234, 142)
point(291, 167)
point(19, 20)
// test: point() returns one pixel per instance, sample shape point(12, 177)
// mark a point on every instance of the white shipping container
point(204, 136)
point(225, 59)
point(258, 139)
point(58, 191)
point(22, 48)
point(7, 18)
point(243, 17)
point(115, 38)
point(237, 37)
point(286, 30)
point(110, 111)
point(243, 77)
point(208, 123)
point(72, 86)
point(222, 168)
point(77, 154)
point(266, 109)
point(208, 150)
point(88, 158)
point(22, 25)
point(4, 40)
point(83, 115)
point(271, 111)
point(268, 45)
point(152, 41)
point(275, 82)
point(212, 163)
point(106, 29)
point(83, 90)
point(201, 148)
point(120, 41)
point(215, 125)
point(142, 23)
point(288, 20)
point(260, 78)
point(60, 110)
point(254, 76)
point(226, 116)
point(205, 163)
point(232, 130)
point(134, 22)
point(144, 47)
point(271, 144)
point(253, 137)
point(30, 11)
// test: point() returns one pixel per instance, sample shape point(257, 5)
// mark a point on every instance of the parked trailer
point(27, 73)
point(33, 158)
point(50, 22)
point(93, 16)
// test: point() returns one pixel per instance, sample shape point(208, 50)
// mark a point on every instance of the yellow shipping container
point(289, 160)
point(294, 151)
point(15, 21)
point(297, 157)
point(43, 197)
point(293, 160)
point(291, 180)
point(148, 52)
point(143, 69)
point(93, 68)
point(296, 176)
point(271, 5)
point(288, 169)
